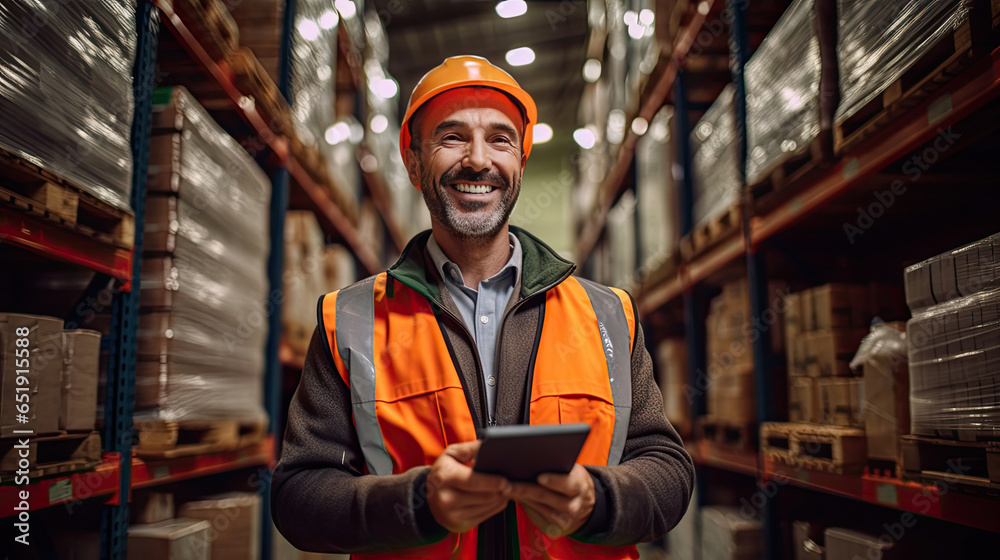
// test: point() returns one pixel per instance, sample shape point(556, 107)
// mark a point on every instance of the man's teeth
point(474, 189)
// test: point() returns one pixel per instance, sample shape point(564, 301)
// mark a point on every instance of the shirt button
point(484, 319)
point(491, 381)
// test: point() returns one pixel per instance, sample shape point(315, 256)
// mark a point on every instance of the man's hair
point(415, 120)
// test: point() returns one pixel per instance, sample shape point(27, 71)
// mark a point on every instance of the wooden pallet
point(51, 454)
point(950, 55)
point(164, 439)
point(793, 168)
point(710, 232)
point(738, 435)
point(35, 190)
point(252, 80)
point(975, 463)
point(832, 449)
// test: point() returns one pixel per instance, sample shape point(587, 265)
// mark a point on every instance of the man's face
point(470, 160)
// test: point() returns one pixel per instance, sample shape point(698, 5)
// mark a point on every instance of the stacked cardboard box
point(81, 359)
point(204, 288)
point(954, 343)
point(235, 520)
point(172, 539)
point(730, 356)
point(727, 534)
point(882, 358)
point(824, 327)
point(31, 355)
point(671, 359)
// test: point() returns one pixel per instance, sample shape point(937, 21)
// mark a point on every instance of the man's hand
point(560, 503)
point(460, 498)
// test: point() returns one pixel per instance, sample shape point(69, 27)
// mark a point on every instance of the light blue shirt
point(482, 309)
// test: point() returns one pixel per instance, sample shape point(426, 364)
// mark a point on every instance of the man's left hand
point(560, 503)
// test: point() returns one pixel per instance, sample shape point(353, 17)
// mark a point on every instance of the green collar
point(541, 268)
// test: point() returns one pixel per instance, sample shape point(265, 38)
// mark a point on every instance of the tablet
point(521, 453)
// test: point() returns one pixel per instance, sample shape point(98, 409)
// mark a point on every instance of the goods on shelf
point(81, 358)
point(70, 107)
point(235, 519)
point(783, 106)
point(886, 50)
point(36, 342)
point(962, 272)
point(803, 400)
point(840, 401)
point(621, 240)
point(845, 544)
point(211, 21)
point(684, 540)
point(202, 324)
point(151, 507)
point(260, 23)
point(311, 270)
point(825, 448)
point(730, 392)
point(671, 361)
point(657, 211)
point(954, 345)
point(727, 534)
point(717, 179)
point(886, 390)
point(173, 539)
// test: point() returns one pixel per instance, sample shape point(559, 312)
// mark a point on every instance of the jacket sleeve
point(648, 492)
point(320, 499)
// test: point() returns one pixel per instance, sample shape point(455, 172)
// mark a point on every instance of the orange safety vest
point(409, 403)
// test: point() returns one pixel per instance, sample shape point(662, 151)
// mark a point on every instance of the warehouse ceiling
point(422, 33)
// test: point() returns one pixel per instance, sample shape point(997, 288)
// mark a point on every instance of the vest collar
point(542, 267)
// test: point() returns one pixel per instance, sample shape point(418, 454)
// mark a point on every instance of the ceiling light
point(636, 31)
point(512, 8)
point(646, 17)
point(346, 8)
point(385, 88)
point(585, 138)
point(520, 57)
point(329, 19)
point(631, 18)
point(379, 124)
point(616, 126)
point(369, 164)
point(337, 133)
point(640, 126)
point(308, 29)
point(541, 133)
point(356, 132)
point(703, 8)
point(592, 70)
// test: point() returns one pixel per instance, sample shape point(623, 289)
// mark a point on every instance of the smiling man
point(477, 324)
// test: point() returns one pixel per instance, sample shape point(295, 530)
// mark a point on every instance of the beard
point(470, 220)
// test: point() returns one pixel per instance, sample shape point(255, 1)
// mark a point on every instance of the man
point(478, 323)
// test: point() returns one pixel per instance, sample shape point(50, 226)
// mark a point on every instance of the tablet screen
point(521, 453)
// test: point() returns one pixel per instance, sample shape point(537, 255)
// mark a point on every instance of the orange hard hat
point(467, 71)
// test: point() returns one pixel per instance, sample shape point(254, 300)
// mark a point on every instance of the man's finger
point(570, 484)
point(463, 452)
point(525, 491)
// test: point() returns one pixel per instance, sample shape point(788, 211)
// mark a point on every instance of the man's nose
point(477, 155)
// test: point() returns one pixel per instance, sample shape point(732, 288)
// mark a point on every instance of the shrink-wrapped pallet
point(657, 211)
point(204, 288)
point(716, 171)
point(66, 91)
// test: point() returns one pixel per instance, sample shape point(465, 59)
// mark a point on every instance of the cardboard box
point(151, 507)
point(732, 396)
point(728, 534)
point(840, 306)
point(235, 522)
point(39, 363)
point(173, 539)
point(803, 400)
point(841, 401)
point(887, 407)
point(845, 544)
point(829, 352)
point(672, 365)
point(81, 359)
point(793, 316)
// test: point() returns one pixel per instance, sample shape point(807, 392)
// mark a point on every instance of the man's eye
point(451, 138)
point(502, 140)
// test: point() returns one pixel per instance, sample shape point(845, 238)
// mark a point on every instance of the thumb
point(463, 452)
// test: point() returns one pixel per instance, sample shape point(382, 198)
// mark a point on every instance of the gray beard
point(461, 224)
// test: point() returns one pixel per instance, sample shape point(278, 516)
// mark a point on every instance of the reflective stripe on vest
point(617, 338)
point(355, 329)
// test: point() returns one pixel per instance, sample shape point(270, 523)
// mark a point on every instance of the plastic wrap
point(204, 285)
point(716, 172)
point(782, 83)
point(954, 356)
point(314, 67)
point(621, 239)
point(961, 272)
point(879, 41)
point(657, 212)
point(66, 90)
point(881, 357)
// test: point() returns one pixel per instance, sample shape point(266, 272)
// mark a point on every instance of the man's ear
point(412, 161)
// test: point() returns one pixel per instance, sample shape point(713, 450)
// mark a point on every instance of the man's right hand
point(460, 498)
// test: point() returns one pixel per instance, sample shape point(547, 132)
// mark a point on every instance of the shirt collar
point(450, 271)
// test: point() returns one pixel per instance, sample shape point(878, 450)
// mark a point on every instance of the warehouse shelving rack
point(684, 284)
point(119, 472)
